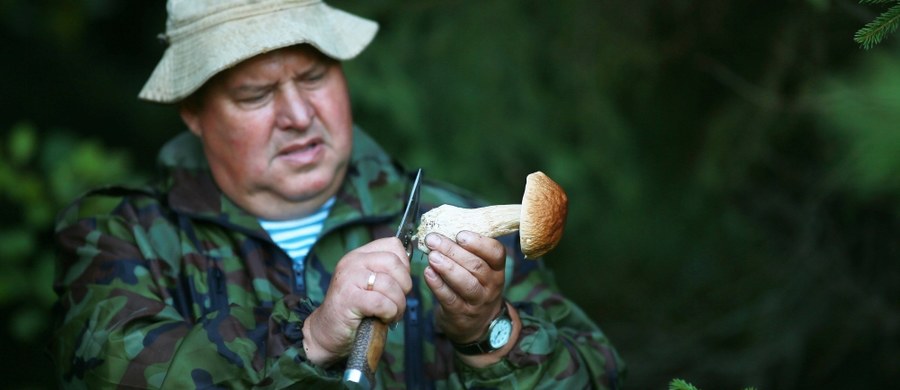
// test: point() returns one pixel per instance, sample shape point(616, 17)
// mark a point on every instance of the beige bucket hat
point(206, 37)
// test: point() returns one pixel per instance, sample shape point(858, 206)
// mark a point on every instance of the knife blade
point(372, 332)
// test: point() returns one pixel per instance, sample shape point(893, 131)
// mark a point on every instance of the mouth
point(306, 152)
point(300, 147)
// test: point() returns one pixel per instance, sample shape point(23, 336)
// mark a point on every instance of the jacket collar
point(373, 190)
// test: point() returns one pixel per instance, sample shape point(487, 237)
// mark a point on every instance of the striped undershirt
point(297, 236)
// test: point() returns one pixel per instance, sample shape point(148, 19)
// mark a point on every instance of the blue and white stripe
point(297, 236)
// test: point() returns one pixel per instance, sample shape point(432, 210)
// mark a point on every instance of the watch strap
point(483, 344)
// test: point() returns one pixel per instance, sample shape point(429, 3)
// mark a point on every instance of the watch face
point(500, 333)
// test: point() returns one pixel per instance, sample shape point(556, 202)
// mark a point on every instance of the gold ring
point(370, 284)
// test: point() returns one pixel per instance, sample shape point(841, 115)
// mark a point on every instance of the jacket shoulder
point(107, 201)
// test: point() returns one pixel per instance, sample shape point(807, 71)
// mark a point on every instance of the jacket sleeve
point(559, 346)
point(118, 322)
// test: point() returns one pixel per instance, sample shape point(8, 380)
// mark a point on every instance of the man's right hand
point(329, 331)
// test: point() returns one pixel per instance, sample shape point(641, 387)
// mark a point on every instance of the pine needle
point(873, 32)
point(680, 384)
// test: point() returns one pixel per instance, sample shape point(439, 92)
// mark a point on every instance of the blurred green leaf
point(16, 245)
point(40, 213)
point(41, 278)
point(863, 109)
point(28, 322)
point(819, 5)
point(22, 143)
point(67, 22)
point(29, 191)
point(73, 167)
point(7, 176)
point(14, 286)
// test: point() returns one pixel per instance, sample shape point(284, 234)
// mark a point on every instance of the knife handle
point(365, 354)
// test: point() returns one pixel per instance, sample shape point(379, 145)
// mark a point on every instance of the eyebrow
point(250, 87)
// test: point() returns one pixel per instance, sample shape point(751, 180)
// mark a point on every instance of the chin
point(312, 185)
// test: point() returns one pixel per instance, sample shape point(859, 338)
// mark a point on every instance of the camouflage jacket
point(174, 286)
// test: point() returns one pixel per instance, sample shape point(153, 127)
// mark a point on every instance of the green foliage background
point(733, 169)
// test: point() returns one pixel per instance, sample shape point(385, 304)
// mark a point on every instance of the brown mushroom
point(540, 218)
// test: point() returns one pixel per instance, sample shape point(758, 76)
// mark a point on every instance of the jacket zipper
point(413, 355)
point(299, 268)
point(218, 296)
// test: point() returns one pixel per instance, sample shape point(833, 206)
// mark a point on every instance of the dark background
point(733, 167)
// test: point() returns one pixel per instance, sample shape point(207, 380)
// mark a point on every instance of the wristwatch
point(497, 336)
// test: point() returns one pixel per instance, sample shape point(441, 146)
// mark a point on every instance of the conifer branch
point(873, 32)
point(681, 384)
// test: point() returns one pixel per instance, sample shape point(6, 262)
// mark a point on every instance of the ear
point(191, 117)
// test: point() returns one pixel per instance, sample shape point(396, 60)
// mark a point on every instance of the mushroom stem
point(490, 221)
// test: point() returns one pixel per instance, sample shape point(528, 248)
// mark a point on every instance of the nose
point(294, 109)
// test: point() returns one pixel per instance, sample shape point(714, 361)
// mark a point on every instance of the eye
point(314, 76)
point(253, 98)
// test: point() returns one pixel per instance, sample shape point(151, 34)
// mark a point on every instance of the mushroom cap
point(543, 215)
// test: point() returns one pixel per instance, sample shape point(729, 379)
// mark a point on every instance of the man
point(254, 259)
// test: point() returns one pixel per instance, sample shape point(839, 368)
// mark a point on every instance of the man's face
point(277, 131)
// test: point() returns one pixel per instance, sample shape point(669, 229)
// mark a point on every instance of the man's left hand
point(467, 279)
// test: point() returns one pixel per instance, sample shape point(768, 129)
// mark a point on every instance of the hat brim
point(188, 63)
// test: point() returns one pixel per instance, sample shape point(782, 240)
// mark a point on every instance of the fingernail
point(432, 240)
point(429, 273)
point(436, 259)
point(464, 236)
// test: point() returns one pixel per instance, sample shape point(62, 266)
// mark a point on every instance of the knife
point(372, 332)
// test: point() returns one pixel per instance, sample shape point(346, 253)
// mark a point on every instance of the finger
point(485, 248)
point(382, 308)
point(378, 303)
point(440, 243)
point(467, 260)
point(386, 286)
point(394, 267)
point(457, 278)
point(387, 244)
point(445, 296)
